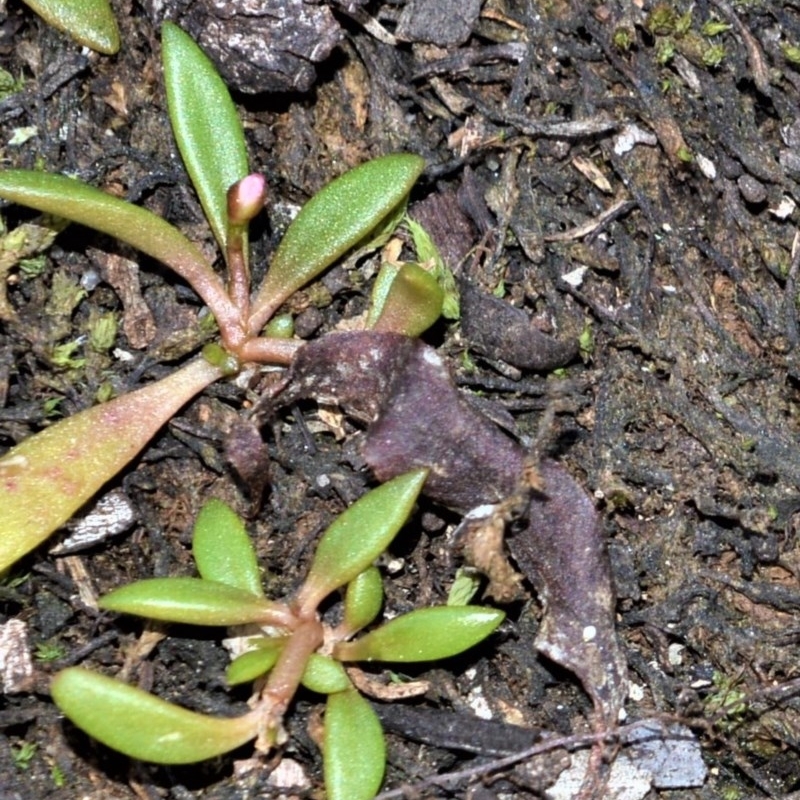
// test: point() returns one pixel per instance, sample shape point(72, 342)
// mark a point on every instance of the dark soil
point(653, 157)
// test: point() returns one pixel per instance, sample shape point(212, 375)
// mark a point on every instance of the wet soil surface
point(623, 176)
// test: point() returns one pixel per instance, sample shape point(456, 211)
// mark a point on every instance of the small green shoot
point(294, 648)
point(49, 651)
point(23, 755)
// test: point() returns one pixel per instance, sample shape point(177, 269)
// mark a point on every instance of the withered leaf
point(496, 329)
point(564, 554)
point(418, 418)
point(247, 453)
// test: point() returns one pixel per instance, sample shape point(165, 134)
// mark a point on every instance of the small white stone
point(635, 692)
point(674, 654)
point(707, 166)
point(289, 774)
point(575, 277)
point(785, 208)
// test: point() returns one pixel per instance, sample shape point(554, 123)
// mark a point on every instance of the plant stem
point(285, 677)
point(238, 272)
point(264, 350)
point(267, 301)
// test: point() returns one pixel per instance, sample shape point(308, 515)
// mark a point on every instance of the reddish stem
point(238, 272)
point(285, 677)
point(267, 350)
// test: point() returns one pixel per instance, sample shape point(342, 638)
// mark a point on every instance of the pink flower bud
point(246, 198)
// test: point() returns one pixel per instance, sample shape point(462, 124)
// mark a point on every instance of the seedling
point(296, 645)
point(59, 469)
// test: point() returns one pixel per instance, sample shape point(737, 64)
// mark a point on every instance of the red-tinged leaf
point(407, 300)
point(47, 477)
point(86, 205)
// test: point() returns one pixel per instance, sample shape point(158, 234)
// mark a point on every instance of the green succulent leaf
point(59, 469)
point(359, 535)
point(406, 299)
point(222, 549)
point(206, 125)
point(193, 601)
point(353, 750)
point(324, 675)
point(76, 201)
point(426, 634)
point(143, 726)
point(88, 22)
point(332, 222)
point(363, 600)
point(253, 664)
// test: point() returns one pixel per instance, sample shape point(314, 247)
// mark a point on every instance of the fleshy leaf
point(331, 222)
point(324, 675)
point(57, 470)
point(222, 549)
point(409, 303)
point(143, 726)
point(353, 750)
point(426, 634)
point(81, 203)
point(193, 601)
point(255, 663)
point(363, 600)
point(359, 535)
point(88, 22)
point(205, 123)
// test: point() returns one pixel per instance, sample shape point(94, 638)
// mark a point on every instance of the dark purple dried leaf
point(497, 329)
point(563, 553)
point(418, 417)
point(247, 453)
